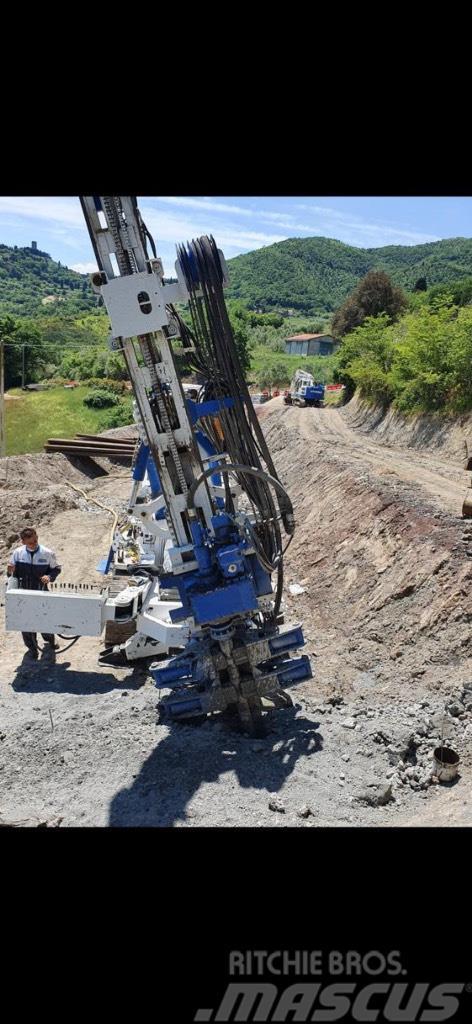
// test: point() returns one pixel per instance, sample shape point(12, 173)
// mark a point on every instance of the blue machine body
point(227, 584)
point(229, 578)
point(145, 463)
point(310, 393)
point(315, 391)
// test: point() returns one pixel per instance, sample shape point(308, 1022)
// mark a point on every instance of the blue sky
point(240, 223)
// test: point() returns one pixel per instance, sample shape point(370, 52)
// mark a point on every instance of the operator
point(34, 566)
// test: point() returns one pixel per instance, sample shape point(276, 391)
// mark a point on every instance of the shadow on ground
point(188, 757)
point(48, 675)
point(87, 465)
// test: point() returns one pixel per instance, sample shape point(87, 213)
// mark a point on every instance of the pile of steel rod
point(91, 445)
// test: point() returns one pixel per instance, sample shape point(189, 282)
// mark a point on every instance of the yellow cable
point(100, 505)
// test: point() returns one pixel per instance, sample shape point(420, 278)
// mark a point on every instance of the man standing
point(34, 566)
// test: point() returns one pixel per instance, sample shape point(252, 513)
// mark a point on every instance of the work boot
point(34, 652)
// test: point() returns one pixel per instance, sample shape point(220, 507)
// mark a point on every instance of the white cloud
point(363, 231)
point(286, 220)
point(286, 217)
point(384, 234)
point(281, 219)
point(176, 228)
point(321, 209)
point(331, 222)
point(204, 204)
point(64, 209)
point(84, 268)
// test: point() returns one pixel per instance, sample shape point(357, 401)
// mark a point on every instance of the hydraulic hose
point(248, 471)
point(73, 640)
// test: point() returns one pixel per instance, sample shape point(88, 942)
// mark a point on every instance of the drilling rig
point(209, 518)
point(304, 390)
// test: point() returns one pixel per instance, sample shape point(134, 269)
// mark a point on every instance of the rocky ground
point(382, 560)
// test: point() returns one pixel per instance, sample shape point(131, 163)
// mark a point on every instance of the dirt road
point(444, 482)
point(384, 560)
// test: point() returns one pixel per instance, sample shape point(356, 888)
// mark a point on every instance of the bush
point(365, 358)
point(422, 362)
point(117, 387)
point(100, 399)
point(271, 376)
point(92, 362)
point(121, 416)
point(453, 293)
point(433, 355)
point(55, 382)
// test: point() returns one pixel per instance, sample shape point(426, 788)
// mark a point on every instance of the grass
point(277, 369)
point(59, 412)
point(32, 417)
point(297, 324)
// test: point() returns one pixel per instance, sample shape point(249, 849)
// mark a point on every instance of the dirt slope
point(381, 544)
point(427, 432)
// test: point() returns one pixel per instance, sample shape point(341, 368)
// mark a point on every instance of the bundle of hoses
point(237, 431)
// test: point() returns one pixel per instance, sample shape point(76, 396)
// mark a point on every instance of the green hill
point(314, 275)
point(309, 275)
point(33, 284)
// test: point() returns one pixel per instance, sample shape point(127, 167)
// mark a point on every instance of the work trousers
point(31, 639)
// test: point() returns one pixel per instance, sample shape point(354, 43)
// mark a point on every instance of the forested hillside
point(33, 284)
point(314, 275)
point(311, 276)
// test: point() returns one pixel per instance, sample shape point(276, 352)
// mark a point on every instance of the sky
point(239, 223)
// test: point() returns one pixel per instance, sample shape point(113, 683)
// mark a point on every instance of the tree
point(430, 371)
point(8, 327)
point(15, 334)
point(373, 296)
point(421, 285)
point(239, 320)
point(365, 359)
point(457, 293)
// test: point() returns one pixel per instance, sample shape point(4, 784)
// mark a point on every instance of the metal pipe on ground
point(79, 442)
point(101, 437)
point(116, 453)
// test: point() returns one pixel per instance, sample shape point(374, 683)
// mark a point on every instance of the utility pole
point(2, 402)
